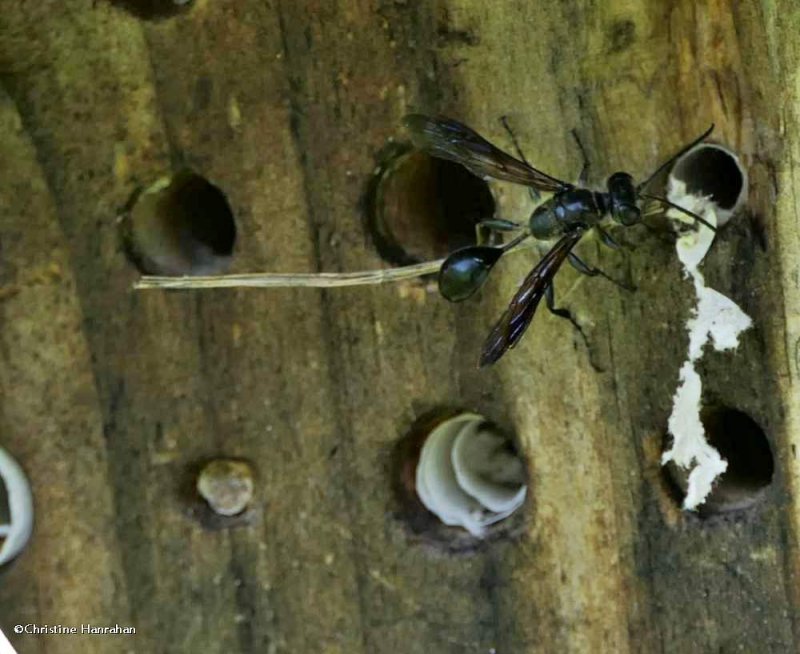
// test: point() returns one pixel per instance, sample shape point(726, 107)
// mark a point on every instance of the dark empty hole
point(422, 208)
point(711, 170)
point(153, 9)
point(743, 444)
point(621, 35)
point(183, 226)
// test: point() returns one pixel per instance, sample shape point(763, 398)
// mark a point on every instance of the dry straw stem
point(283, 280)
point(307, 280)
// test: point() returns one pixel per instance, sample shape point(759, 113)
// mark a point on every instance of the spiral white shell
point(20, 502)
point(467, 475)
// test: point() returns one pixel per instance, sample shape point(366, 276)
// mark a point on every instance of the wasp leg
point(585, 269)
point(534, 193)
point(550, 301)
point(483, 235)
point(583, 178)
point(607, 239)
point(502, 225)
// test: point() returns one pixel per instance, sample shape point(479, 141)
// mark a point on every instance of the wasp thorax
point(543, 223)
point(622, 199)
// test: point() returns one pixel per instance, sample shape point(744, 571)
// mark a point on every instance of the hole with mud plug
point(461, 480)
point(16, 509)
point(708, 177)
point(421, 208)
point(223, 490)
point(181, 225)
point(153, 9)
point(742, 443)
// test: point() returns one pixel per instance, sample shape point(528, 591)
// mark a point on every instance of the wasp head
point(623, 199)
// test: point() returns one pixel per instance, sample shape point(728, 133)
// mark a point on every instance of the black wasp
point(569, 213)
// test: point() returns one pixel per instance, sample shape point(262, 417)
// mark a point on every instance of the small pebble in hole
point(743, 444)
point(180, 226)
point(226, 485)
point(460, 480)
point(421, 208)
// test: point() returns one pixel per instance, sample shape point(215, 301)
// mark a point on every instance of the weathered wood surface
point(110, 398)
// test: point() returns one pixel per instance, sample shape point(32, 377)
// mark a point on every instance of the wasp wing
point(516, 318)
point(449, 139)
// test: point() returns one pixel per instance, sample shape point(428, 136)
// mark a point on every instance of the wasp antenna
point(677, 207)
point(674, 158)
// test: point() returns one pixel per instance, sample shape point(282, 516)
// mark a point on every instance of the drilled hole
point(180, 226)
point(711, 170)
point(16, 509)
point(460, 480)
point(421, 208)
point(220, 493)
point(621, 35)
point(153, 9)
point(226, 485)
point(743, 444)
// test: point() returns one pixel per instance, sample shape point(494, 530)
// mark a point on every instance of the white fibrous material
point(5, 646)
point(468, 476)
point(16, 533)
point(716, 319)
point(677, 187)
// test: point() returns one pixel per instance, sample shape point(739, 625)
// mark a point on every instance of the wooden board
point(110, 398)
